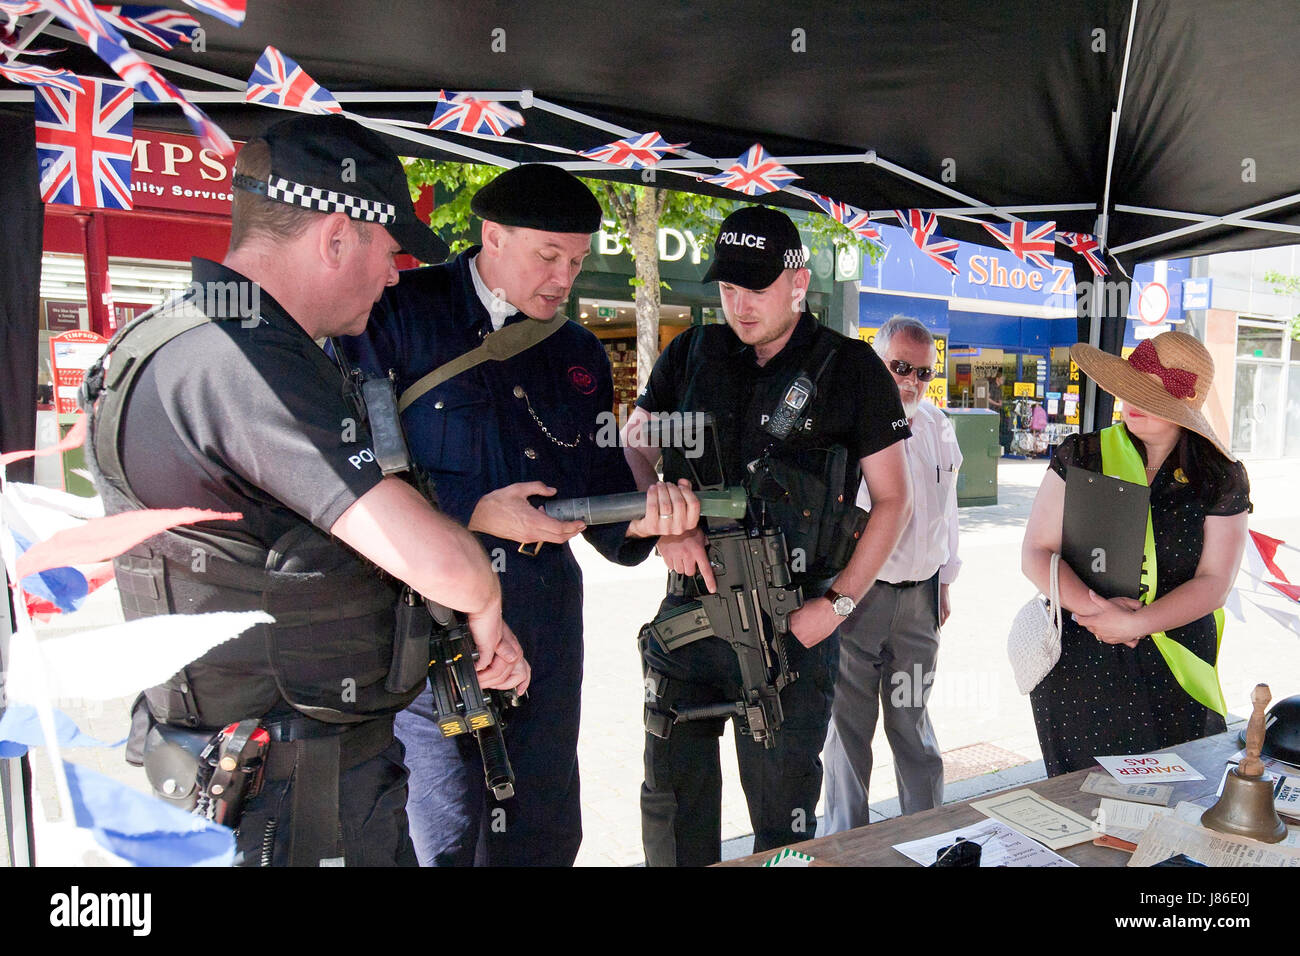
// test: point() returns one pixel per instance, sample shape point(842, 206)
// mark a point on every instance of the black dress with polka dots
point(1103, 699)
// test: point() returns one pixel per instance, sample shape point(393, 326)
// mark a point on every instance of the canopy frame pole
point(32, 29)
point(1103, 221)
point(907, 174)
point(1231, 219)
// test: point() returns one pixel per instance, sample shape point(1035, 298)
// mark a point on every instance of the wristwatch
point(842, 604)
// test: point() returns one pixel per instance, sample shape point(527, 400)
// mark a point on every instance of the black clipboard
point(1104, 530)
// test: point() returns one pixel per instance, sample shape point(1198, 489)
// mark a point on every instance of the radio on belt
point(787, 415)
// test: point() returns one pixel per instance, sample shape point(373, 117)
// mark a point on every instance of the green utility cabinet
point(977, 437)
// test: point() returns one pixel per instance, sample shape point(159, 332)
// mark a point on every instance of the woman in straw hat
point(1140, 676)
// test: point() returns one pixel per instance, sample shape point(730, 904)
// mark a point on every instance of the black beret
point(537, 196)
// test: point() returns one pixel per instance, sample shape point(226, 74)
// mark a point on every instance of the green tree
point(637, 211)
point(1286, 285)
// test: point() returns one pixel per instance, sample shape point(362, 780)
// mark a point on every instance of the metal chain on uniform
point(520, 393)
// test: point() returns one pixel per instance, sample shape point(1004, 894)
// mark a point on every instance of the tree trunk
point(645, 252)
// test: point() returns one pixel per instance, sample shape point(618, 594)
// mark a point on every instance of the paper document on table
point(1032, 815)
point(1000, 845)
point(1286, 791)
point(1149, 767)
point(1120, 818)
point(1191, 813)
point(1104, 785)
point(1167, 836)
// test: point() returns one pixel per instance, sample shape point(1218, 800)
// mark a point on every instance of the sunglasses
point(903, 369)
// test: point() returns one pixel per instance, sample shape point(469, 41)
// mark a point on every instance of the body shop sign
point(171, 171)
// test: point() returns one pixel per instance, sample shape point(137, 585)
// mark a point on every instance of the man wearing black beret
point(496, 439)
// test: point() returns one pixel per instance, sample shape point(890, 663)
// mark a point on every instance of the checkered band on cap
point(326, 200)
point(794, 259)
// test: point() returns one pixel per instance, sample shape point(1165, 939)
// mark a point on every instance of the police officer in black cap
point(770, 353)
point(497, 439)
point(222, 399)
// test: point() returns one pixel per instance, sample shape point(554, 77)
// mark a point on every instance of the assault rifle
point(430, 639)
point(750, 610)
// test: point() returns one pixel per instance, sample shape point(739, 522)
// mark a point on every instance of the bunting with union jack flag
point(162, 27)
point(857, 221)
point(1030, 242)
point(459, 113)
point(12, 9)
point(110, 47)
point(278, 80)
point(754, 173)
point(229, 11)
point(923, 229)
point(34, 75)
point(634, 152)
point(83, 144)
point(1083, 244)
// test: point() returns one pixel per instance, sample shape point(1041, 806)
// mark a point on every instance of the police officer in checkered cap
point(782, 388)
point(222, 399)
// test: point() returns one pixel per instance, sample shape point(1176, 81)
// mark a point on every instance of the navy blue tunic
point(533, 417)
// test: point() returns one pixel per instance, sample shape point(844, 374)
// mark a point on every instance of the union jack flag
point(1087, 246)
point(230, 11)
point(12, 9)
point(83, 144)
point(850, 217)
point(458, 113)
point(923, 231)
point(635, 152)
point(279, 81)
point(160, 26)
point(1032, 242)
point(40, 76)
point(753, 173)
point(110, 47)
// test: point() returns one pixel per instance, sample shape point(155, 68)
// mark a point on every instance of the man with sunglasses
point(889, 643)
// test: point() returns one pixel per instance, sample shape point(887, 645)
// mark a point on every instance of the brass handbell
point(1246, 806)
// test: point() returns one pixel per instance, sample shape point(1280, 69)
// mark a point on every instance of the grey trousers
point(888, 647)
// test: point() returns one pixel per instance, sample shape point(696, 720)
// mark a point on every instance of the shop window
point(1254, 341)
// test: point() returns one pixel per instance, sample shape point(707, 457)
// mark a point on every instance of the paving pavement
point(983, 725)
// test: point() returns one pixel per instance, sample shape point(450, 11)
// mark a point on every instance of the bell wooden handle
point(1251, 765)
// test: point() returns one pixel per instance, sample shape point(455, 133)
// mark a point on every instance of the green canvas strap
point(497, 346)
point(1120, 459)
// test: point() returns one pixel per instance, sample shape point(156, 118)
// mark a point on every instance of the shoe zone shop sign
point(1005, 282)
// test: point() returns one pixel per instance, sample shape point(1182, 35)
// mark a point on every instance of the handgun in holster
point(210, 775)
point(237, 758)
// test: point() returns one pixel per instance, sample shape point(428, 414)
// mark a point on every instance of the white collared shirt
point(929, 542)
point(498, 309)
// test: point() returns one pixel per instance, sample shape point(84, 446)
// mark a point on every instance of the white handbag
point(1034, 644)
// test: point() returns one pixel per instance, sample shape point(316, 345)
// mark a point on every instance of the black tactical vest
point(809, 487)
point(329, 650)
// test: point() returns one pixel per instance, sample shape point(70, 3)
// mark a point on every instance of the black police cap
point(537, 196)
point(331, 164)
point(755, 245)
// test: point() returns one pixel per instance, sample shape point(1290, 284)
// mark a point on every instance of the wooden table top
point(873, 845)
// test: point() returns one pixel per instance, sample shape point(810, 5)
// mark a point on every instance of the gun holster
point(172, 764)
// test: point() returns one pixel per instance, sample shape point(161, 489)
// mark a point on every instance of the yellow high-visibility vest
point(1120, 459)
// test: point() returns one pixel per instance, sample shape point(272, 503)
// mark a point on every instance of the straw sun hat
point(1185, 372)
